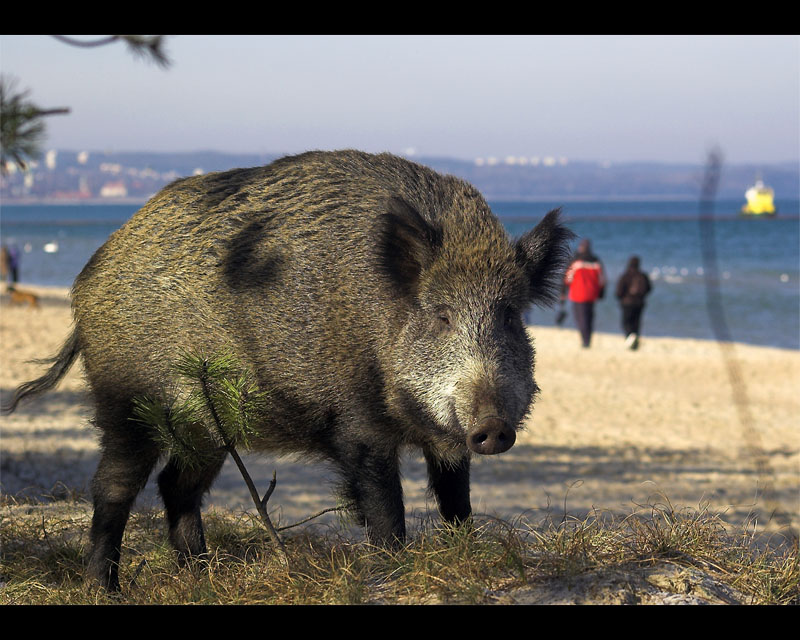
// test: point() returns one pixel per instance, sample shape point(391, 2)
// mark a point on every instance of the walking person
point(586, 281)
point(632, 288)
point(9, 267)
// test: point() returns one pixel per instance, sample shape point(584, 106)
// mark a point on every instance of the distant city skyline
point(585, 98)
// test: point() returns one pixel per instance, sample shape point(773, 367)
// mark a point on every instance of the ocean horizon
point(757, 260)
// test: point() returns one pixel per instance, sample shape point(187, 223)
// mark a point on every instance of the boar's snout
point(490, 436)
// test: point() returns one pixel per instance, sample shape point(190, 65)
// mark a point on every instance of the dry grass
point(44, 545)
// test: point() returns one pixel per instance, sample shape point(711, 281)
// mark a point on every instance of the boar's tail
point(61, 364)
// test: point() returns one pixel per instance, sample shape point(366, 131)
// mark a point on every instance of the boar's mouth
point(448, 440)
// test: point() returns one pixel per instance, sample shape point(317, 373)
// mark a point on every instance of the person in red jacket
point(586, 281)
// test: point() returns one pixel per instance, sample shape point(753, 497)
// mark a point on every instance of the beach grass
point(654, 555)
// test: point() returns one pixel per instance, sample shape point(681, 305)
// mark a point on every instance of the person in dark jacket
point(632, 288)
point(586, 281)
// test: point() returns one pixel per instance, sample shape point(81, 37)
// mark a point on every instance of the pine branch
point(176, 431)
point(21, 126)
point(147, 47)
point(87, 43)
point(205, 368)
point(22, 130)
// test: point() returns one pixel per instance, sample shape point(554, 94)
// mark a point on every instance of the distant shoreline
point(22, 202)
point(553, 200)
point(490, 198)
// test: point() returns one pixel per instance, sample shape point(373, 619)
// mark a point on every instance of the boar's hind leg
point(126, 460)
point(182, 491)
point(449, 483)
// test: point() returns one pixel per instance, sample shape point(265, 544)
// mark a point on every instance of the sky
point(595, 98)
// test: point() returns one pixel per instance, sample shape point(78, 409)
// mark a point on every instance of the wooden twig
point(270, 489)
point(316, 515)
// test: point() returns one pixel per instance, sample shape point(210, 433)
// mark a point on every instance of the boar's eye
point(443, 319)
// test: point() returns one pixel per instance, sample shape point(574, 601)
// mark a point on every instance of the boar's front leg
point(372, 483)
point(449, 484)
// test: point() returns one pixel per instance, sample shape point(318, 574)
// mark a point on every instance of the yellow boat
point(759, 201)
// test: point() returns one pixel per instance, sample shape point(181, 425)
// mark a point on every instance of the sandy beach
point(695, 422)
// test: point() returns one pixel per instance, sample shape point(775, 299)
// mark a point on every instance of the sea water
point(756, 260)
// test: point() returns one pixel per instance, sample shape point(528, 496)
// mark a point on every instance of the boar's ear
point(544, 252)
point(407, 244)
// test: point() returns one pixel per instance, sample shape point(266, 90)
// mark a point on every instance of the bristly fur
point(378, 302)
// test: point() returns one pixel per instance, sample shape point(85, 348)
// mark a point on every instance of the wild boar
point(379, 302)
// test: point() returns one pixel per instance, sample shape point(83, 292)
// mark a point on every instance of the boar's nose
point(491, 435)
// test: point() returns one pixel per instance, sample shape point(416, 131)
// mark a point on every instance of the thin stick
point(316, 515)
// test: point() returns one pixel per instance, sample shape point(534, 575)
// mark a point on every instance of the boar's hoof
point(491, 436)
